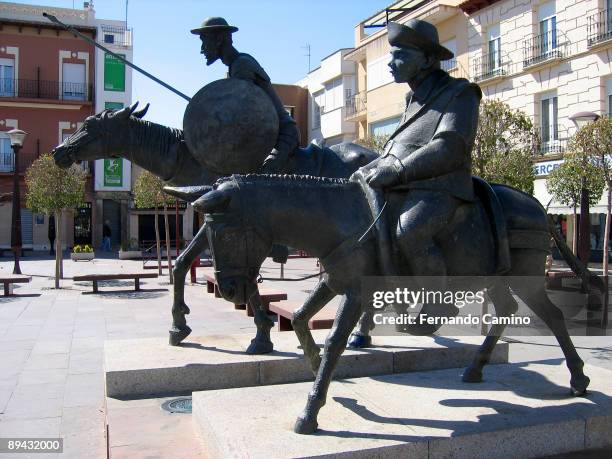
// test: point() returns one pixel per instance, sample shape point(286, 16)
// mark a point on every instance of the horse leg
point(534, 296)
point(346, 319)
point(505, 305)
point(360, 338)
point(319, 297)
point(261, 344)
point(180, 330)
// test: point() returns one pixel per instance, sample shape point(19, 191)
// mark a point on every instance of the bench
point(11, 279)
point(267, 297)
point(554, 279)
point(321, 320)
point(95, 278)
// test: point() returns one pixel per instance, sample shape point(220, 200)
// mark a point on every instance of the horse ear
point(125, 112)
point(140, 113)
point(213, 201)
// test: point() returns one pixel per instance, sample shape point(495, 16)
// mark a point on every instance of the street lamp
point(580, 120)
point(17, 137)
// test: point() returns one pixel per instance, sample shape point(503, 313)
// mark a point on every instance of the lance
point(71, 29)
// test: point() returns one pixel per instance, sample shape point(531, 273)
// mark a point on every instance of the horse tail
point(591, 283)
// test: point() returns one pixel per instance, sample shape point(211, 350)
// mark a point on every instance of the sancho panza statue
point(216, 36)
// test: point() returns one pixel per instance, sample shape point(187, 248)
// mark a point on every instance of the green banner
point(113, 172)
point(114, 73)
point(113, 105)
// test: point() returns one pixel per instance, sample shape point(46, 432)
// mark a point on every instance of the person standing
point(51, 234)
point(106, 237)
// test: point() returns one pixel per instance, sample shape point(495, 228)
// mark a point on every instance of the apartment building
point(550, 59)
point(50, 81)
point(330, 88)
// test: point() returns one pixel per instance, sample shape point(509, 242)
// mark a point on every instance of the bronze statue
point(216, 36)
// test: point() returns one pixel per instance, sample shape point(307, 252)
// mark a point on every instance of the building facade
point(50, 81)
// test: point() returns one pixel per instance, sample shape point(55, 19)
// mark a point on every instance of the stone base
point(149, 367)
point(521, 410)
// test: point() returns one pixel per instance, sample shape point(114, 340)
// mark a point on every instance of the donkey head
point(237, 245)
point(97, 137)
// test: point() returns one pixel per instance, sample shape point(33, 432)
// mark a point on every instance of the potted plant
point(130, 251)
point(82, 252)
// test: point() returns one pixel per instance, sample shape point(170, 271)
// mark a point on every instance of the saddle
point(490, 203)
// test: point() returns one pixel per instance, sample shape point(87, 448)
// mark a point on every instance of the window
point(73, 81)
point(609, 95)
point(7, 77)
point(384, 127)
point(378, 73)
point(450, 64)
point(548, 28)
point(317, 108)
point(494, 39)
point(6, 153)
point(549, 122)
point(333, 95)
point(109, 38)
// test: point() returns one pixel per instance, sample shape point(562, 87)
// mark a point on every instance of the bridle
point(91, 137)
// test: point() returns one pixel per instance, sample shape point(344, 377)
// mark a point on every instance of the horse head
point(238, 248)
point(96, 137)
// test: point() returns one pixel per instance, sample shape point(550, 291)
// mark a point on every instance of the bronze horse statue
point(162, 150)
point(327, 216)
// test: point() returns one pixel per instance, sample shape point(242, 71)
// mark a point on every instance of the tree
point(504, 146)
point(374, 142)
point(565, 185)
point(51, 191)
point(149, 192)
point(594, 142)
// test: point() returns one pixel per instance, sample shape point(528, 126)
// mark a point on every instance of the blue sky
point(273, 31)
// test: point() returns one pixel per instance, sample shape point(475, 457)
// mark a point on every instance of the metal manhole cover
point(177, 405)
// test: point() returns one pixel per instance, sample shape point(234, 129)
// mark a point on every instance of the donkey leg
point(319, 297)
point(360, 337)
point(505, 306)
point(346, 319)
point(180, 330)
point(261, 344)
point(534, 296)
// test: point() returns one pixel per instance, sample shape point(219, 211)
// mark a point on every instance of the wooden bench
point(267, 297)
point(554, 279)
point(11, 279)
point(321, 320)
point(95, 278)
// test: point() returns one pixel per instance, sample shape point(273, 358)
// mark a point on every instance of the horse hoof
point(305, 426)
point(177, 335)
point(260, 347)
point(358, 341)
point(579, 385)
point(472, 375)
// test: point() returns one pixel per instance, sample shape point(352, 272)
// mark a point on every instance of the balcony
point(116, 35)
point(544, 48)
point(44, 89)
point(25, 160)
point(552, 140)
point(599, 28)
point(490, 66)
point(356, 106)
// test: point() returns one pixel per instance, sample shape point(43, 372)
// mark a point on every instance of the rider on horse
point(428, 157)
point(216, 36)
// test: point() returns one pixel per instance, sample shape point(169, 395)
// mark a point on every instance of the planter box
point(87, 256)
point(130, 254)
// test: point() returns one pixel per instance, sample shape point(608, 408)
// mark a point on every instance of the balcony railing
point(489, 66)
point(356, 104)
point(449, 65)
point(25, 160)
point(116, 35)
point(599, 27)
point(552, 140)
point(544, 47)
point(44, 89)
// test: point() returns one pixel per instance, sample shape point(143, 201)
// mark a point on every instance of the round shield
point(230, 126)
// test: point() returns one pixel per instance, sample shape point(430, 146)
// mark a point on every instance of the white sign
point(113, 175)
point(546, 167)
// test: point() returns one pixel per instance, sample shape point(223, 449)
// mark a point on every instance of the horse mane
point(299, 180)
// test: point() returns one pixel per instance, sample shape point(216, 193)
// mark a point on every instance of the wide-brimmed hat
point(214, 24)
point(418, 33)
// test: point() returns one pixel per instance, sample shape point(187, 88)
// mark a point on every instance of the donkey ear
point(213, 201)
point(125, 112)
point(140, 113)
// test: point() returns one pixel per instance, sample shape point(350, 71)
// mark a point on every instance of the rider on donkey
point(428, 157)
point(216, 36)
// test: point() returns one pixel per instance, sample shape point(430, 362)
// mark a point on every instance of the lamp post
point(17, 137)
point(580, 120)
